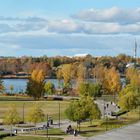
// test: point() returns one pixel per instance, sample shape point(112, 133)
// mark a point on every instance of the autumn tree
point(59, 77)
point(112, 82)
point(11, 117)
point(67, 74)
point(81, 74)
point(36, 114)
point(49, 88)
point(1, 86)
point(35, 85)
point(99, 73)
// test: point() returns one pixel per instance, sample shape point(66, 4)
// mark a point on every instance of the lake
point(20, 84)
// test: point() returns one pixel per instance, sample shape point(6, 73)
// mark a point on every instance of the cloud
point(27, 19)
point(114, 14)
point(61, 44)
point(64, 26)
point(103, 21)
point(4, 28)
point(111, 28)
point(71, 26)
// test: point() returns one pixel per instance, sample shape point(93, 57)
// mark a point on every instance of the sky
point(69, 27)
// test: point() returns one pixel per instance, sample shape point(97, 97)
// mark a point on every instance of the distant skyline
point(69, 27)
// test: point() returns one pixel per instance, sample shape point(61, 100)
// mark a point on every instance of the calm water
point(20, 84)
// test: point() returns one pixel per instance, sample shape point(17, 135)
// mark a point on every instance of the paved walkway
point(131, 132)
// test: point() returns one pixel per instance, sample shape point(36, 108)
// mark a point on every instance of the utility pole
point(47, 126)
point(59, 114)
point(135, 54)
point(139, 112)
point(23, 111)
point(135, 50)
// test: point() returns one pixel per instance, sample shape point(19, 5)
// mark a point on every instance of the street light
point(23, 112)
point(59, 114)
point(47, 126)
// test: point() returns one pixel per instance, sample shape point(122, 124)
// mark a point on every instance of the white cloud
point(113, 14)
point(64, 26)
point(104, 21)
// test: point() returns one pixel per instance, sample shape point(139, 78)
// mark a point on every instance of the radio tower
point(135, 50)
point(135, 53)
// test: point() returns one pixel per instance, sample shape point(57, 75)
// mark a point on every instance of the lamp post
point(47, 126)
point(139, 112)
point(23, 112)
point(59, 114)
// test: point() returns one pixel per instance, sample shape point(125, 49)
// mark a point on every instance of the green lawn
point(15, 98)
point(100, 126)
point(51, 132)
point(49, 107)
point(108, 98)
point(29, 138)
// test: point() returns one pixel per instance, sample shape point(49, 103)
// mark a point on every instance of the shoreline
point(22, 77)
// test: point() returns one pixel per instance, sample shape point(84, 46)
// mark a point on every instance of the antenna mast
point(135, 50)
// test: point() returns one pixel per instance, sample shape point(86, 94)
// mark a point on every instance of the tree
point(1, 86)
point(133, 77)
point(90, 89)
point(129, 98)
point(11, 88)
point(36, 114)
point(67, 74)
point(81, 73)
point(49, 88)
point(112, 81)
point(11, 117)
point(59, 77)
point(35, 85)
point(83, 109)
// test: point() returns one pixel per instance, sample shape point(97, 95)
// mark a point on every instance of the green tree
point(35, 85)
point(89, 89)
point(129, 98)
point(11, 117)
point(36, 114)
point(83, 109)
point(49, 88)
point(11, 88)
point(133, 77)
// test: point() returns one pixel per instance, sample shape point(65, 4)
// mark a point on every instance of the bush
point(5, 135)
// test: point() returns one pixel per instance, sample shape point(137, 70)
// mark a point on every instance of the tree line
point(13, 65)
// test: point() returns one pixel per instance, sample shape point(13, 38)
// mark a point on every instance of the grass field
point(51, 132)
point(29, 138)
point(49, 107)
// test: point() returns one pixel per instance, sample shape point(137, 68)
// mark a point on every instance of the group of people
point(70, 130)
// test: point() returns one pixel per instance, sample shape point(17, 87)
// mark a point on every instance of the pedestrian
point(75, 132)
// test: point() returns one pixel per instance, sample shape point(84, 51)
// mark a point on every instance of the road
point(131, 132)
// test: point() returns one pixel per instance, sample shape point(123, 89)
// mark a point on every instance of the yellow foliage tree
point(67, 73)
point(112, 81)
point(35, 85)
